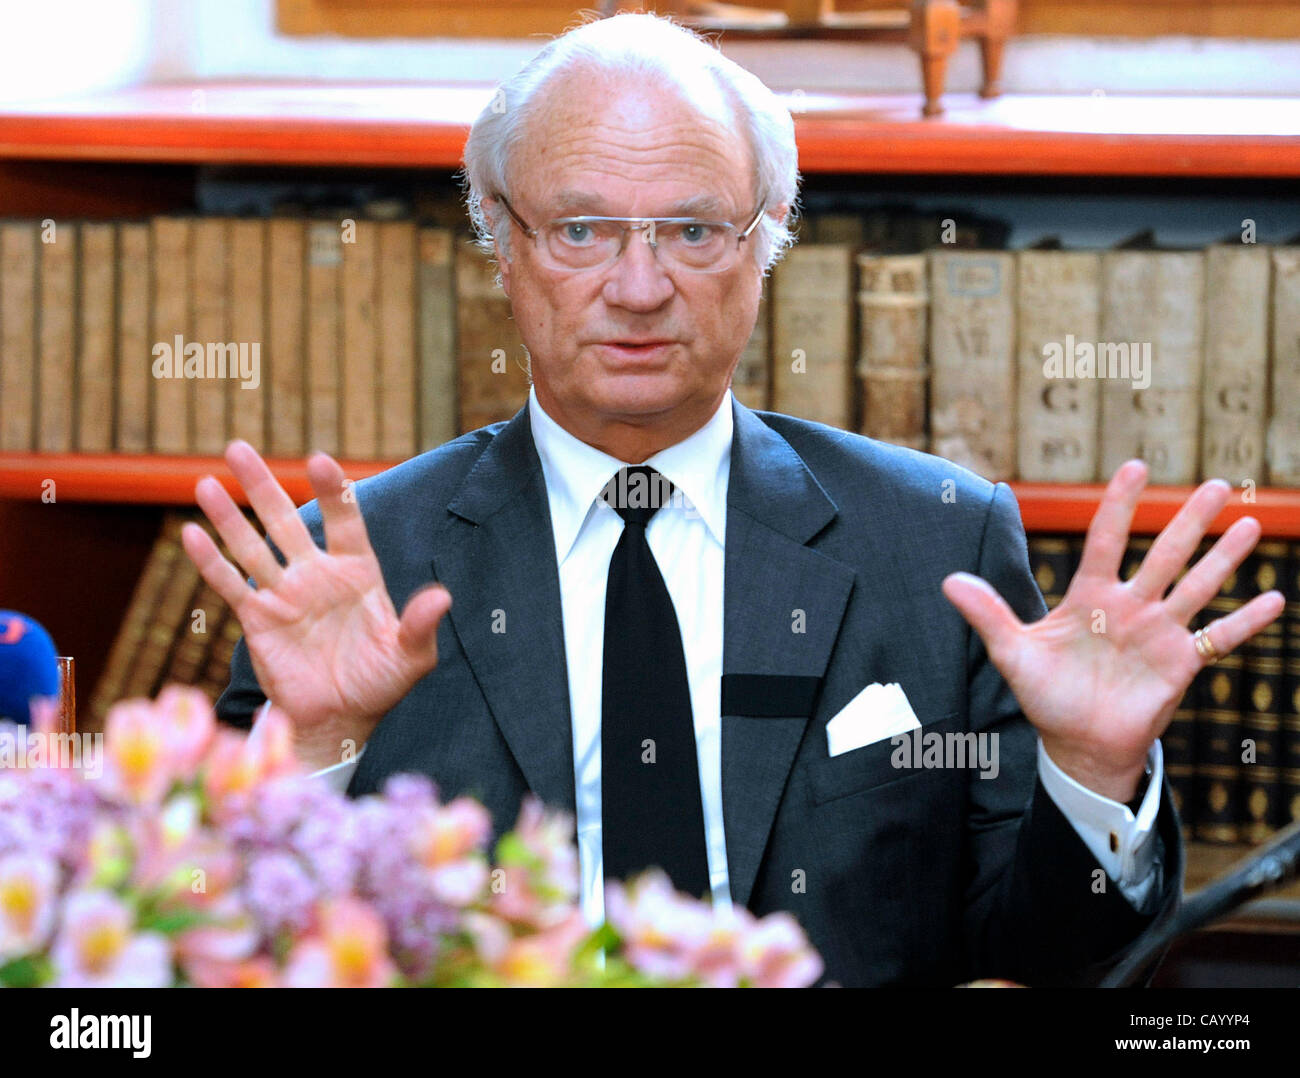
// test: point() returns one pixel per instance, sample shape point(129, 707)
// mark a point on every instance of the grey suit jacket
point(835, 548)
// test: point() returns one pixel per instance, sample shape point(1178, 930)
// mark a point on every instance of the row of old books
point(296, 332)
point(176, 629)
point(378, 335)
point(1051, 365)
point(1232, 750)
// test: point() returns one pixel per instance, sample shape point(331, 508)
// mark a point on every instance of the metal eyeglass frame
point(633, 224)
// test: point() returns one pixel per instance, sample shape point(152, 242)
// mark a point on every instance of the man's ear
point(779, 213)
point(503, 265)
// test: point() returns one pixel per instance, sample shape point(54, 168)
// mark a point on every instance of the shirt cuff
point(1123, 843)
point(339, 776)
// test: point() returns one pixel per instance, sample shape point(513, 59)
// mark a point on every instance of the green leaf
point(30, 971)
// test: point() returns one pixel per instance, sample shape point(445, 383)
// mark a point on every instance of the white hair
point(646, 45)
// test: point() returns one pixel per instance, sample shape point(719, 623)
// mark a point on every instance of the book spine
point(1051, 558)
point(55, 372)
point(1058, 380)
point(973, 360)
point(97, 337)
point(289, 348)
point(18, 307)
point(171, 337)
point(134, 318)
point(115, 680)
point(195, 638)
point(167, 620)
point(398, 400)
point(491, 359)
point(208, 321)
point(1219, 779)
point(247, 393)
point(812, 334)
point(1263, 660)
point(1234, 389)
point(751, 383)
point(437, 360)
point(893, 308)
point(1289, 778)
point(324, 270)
point(1153, 303)
point(217, 675)
point(1284, 428)
point(360, 357)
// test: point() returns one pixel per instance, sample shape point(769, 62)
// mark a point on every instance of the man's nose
point(638, 280)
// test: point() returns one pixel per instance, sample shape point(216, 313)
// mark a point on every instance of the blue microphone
point(28, 665)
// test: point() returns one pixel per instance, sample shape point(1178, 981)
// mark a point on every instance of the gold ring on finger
point(1205, 646)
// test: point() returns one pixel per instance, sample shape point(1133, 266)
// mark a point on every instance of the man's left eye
point(696, 233)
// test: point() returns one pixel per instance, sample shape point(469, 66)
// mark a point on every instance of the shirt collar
point(575, 472)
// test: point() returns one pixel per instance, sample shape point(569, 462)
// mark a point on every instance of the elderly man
point(685, 673)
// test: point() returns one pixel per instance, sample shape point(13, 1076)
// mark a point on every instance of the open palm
point(1100, 676)
point(325, 640)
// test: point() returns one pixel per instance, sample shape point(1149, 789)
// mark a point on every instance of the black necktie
point(651, 812)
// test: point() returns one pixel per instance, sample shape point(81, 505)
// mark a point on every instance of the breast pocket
point(868, 767)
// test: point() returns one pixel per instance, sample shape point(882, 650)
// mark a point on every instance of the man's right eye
point(577, 233)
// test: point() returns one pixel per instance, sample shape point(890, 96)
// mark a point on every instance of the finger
point(221, 576)
point(417, 631)
point(274, 508)
point(1233, 630)
point(1178, 541)
point(241, 538)
point(1203, 581)
point(345, 530)
point(1107, 538)
point(985, 610)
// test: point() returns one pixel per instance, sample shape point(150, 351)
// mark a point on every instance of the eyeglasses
point(588, 243)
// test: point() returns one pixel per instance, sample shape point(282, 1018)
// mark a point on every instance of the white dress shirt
point(686, 538)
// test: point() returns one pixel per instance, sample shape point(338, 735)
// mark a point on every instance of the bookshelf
point(138, 150)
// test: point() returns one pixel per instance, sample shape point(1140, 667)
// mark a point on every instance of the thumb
point(417, 630)
point(985, 610)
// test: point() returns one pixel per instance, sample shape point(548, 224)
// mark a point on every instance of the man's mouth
point(637, 347)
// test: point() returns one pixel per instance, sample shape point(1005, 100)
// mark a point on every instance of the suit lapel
point(783, 603)
point(496, 556)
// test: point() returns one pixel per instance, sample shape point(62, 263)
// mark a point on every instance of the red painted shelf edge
point(296, 124)
point(158, 480)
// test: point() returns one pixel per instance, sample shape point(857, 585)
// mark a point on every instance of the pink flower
point(189, 726)
point(662, 930)
point(544, 959)
point(96, 947)
point(137, 766)
point(28, 899)
point(349, 950)
point(450, 832)
point(448, 841)
point(237, 764)
point(222, 952)
point(775, 953)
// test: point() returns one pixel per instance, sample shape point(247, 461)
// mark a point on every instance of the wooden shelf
point(120, 478)
point(159, 480)
point(425, 125)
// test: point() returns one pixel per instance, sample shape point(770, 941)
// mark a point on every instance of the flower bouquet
point(176, 852)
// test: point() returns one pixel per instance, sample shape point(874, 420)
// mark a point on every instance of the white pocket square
point(877, 712)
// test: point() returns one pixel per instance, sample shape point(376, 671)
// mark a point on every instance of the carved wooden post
point(1000, 21)
point(935, 31)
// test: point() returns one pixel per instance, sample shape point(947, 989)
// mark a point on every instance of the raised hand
point(324, 637)
point(1100, 676)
